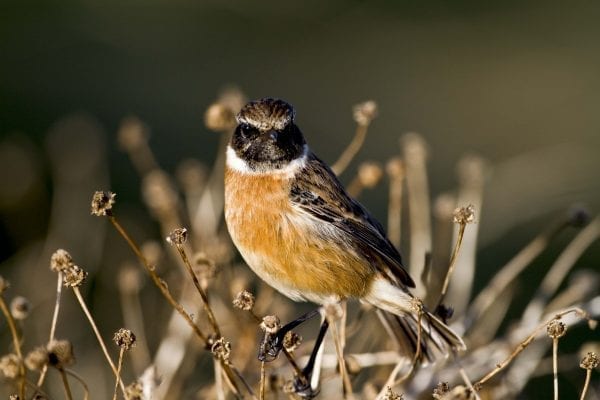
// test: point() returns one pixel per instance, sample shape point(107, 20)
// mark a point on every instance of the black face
point(267, 149)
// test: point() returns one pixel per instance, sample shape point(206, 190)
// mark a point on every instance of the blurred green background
point(516, 82)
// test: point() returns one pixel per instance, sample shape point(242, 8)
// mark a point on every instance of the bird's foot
point(303, 388)
point(270, 347)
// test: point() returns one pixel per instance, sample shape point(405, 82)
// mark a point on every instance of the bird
point(297, 228)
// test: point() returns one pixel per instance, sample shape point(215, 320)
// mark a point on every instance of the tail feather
point(436, 339)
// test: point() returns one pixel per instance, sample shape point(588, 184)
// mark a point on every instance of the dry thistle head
point(391, 395)
point(395, 168)
point(60, 353)
point(221, 349)
point(102, 203)
point(9, 366)
point(177, 237)
point(270, 324)
point(124, 338)
point(134, 391)
point(4, 285)
point(441, 390)
point(464, 215)
point(590, 361)
point(60, 261)
point(74, 276)
point(369, 174)
point(37, 358)
point(556, 329)
point(20, 307)
point(364, 113)
point(244, 300)
point(291, 341)
point(417, 305)
point(132, 134)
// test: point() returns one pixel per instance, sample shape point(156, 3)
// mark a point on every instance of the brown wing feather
point(318, 192)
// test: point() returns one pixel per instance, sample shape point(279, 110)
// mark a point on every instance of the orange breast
point(288, 249)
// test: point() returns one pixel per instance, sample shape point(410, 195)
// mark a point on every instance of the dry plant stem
point(588, 377)
point(16, 344)
point(98, 336)
point(86, 390)
point(459, 238)
point(219, 381)
point(237, 373)
point(348, 154)
point(555, 366)
point(395, 211)
point(500, 366)
point(209, 312)
point(133, 317)
point(65, 382)
point(262, 381)
point(467, 381)
point(119, 366)
point(339, 350)
point(157, 281)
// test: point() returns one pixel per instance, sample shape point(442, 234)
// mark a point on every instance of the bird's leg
point(273, 343)
point(302, 386)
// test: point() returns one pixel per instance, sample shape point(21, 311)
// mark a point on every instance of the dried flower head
point(37, 358)
point(221, 349)
point(369, 174)
point(133, 133)
point(219, 118)
point(159, 193)
point(60, 353)
point(391, 395)
point(590, 361)
point(556, 329)
point(4, 284)
point(395, 168)
point(177, 236)
point(417, 305)
point(9, 366)
point(124, 338)
point(244, 300)
point(464, 215)
point(102, 203)
point(20, 307)
point(134, 391)
point(270, 324)
point(441, 390)
point(364, 113)
point(291, 341)
point(74, 276)
point(60, 261)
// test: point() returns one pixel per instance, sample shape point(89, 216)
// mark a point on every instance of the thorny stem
point(209, 312)
point(65, 382)
point(500, 366)
point(169, 297)
point(16, 343)
point(119, 366)
point(588, 376)
point(359, 137)
point(98, 336)
point(555, 366)
point(461, 232)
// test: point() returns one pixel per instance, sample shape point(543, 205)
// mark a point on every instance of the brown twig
point(16, 344)
point(65, 382)
point(119, 366)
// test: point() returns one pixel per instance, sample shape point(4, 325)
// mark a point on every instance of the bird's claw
point(270, 348)
point(303, 388)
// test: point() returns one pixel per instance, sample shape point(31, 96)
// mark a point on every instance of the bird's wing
point(318, 192)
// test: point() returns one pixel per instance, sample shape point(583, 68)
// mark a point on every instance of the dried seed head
point(152, 251)
point(391, 395)
point(417, 305)
point(4, 284)
point(74, 276)
point(134, 391)
point(204, 267)
point(19, 307)
point(37, 359)
point(177, 236)
point(244, 300)
point(125, 339)
point(102, 203)
point(270, 324)
point(464, 215)
point(130, 279)
point(133, 134)
point(395, 168)
point(60, 261)
point(369, 174)
point(221, 349)
point(9, 366)
point(291, 341)
point(441, 390)
point(364, 113)
point(159, 193)
point(192, 175)
point(556, 329)
point(219, 118)
point(14, 397)
point(60, 353)
point(590, 361)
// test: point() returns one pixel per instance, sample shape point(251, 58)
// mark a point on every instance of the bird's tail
point(406, 324)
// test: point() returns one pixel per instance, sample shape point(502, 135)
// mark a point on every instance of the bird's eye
point(246, 131)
